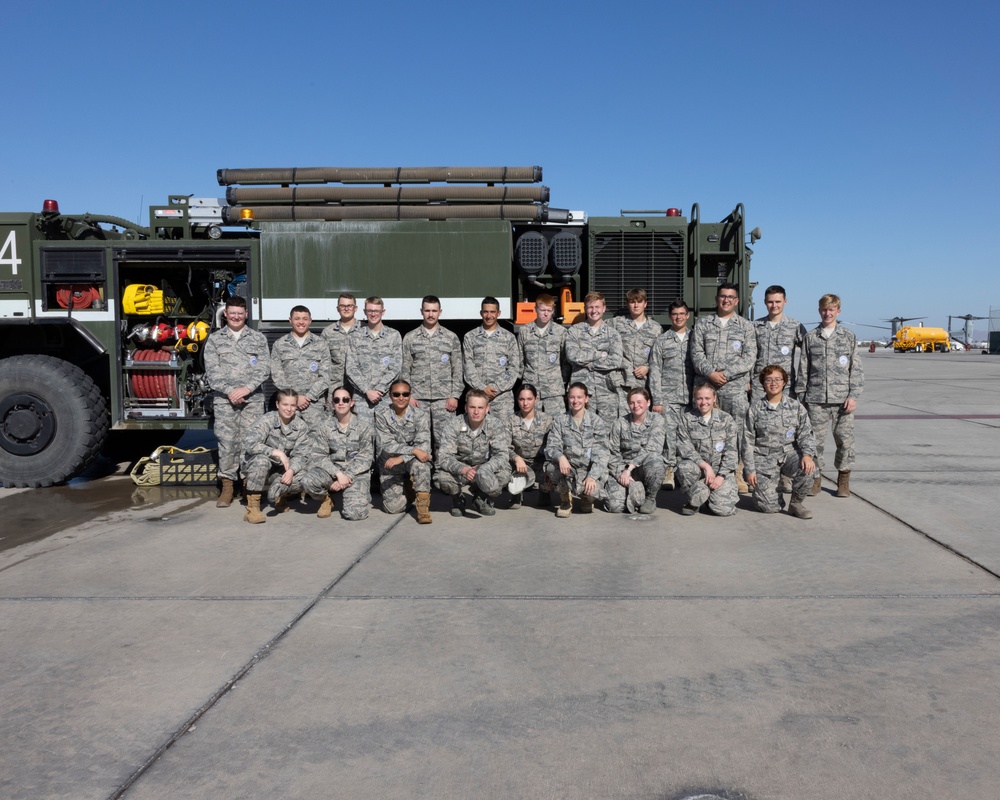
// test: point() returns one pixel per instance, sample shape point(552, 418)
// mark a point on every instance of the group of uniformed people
point(713, 408)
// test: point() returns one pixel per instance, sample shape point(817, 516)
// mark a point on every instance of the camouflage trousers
point(231, 425)
point(552, 404)
point(572, 483)
point(672, 413)
point(392, 482)
point(721, 502)
point(365, 410)
point(824, 415)
point(316, 417)
point(769, 471)
point(489, 480)
point(604, 403)
point(357, 497)
point(648, 476)
point(440, 416)
point(502, 406)
point(260, 472)
point(736, 403)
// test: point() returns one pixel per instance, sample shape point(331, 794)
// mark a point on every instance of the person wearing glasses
point(671, 378)
point(723, 351)
point(432, 365)
point(374, 360)
point(403, 447)
point(337, 335)
point(778, 441)
point(342, 461)
point(237, 363)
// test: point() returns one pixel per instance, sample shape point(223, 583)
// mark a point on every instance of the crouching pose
point(707, 456)
point(576, 453)
point(403, 436)
point(528, 429)
point(342, 461)
point(277, 450)
point(778, 440)
point(473, 450)
point(636, 463)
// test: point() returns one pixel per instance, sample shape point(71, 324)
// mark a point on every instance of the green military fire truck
point(102, 320)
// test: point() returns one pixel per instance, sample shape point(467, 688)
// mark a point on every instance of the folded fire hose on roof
point(172, 465)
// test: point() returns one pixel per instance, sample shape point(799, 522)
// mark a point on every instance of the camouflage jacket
point(338, 337)
point(595, 357)
point(781, 345)
point(491, 360)
point(772, 432)
point(268, 435)
point(304, 369)
point(830, 371)
point(232, 362)
point(713, 441)
point(432, 364)
point(637, 344)
point(459, 446)
point(633, 444)
point(585, 445)
point(374, 360)
point(731, 350)
point(397, 436)
point(350, 450)
point(671, 370)
point(544, 358)
point(528, 443)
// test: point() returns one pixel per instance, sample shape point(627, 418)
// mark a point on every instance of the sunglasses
point(341, 400)
point(400, 394)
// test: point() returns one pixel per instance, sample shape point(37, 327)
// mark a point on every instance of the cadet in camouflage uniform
point(277, 449)
point(237, 363)
point(576, 453)
point(342, 462)
point(671, 379)
point(831, 380)
point(528, 429)
point(724, 350)
point(403, 446)
point(707, 456)
point(473, 450)
point(779, 341)
point(432, 365)
point(337, 335)
point(638, 335)
point(374, 360)
point(778, 441)
point(300, 360)
point(543, 346)
point(594, 353)
point(492, 359)
point(635, 465)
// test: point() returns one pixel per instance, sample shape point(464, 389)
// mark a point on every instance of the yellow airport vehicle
point(921, 340)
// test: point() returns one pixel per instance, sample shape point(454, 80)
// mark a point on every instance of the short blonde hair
point(829, 300)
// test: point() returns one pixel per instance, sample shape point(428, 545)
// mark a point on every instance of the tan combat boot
point(668, 479)
point(226, 495)
point(423, 503)
point(796, 509)
point(254, 515)
point(817, 485)
point(326, 507)
point(281, 505)
point(565, 505)
point(586, 504)
point(741, 485)
point(843, 484)
point(409, 492)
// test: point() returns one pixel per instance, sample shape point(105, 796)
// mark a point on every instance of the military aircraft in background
point(967, 333)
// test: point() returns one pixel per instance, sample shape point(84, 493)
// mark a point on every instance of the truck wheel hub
point(26, 424)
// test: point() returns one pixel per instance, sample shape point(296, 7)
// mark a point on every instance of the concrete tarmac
point(163, 648)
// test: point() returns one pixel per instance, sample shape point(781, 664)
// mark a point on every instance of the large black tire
point(53, 421)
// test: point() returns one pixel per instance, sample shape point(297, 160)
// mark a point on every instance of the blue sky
point(861, 137)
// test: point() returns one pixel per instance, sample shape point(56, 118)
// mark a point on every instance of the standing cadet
point(278, 447)
point(237, 363)
point(671, 379)
point(638, 334)
point(724, 350)
point(300, 360)
point(543, 345)
point(337, 335)
point(779, 341)
point(473, 450)
point(576, 452)
point(594, 353)
point(492, 359)
point(778, 442)
point(528, 429)
point(831, 380)
point(374, 359)
point(403, 447)
point(342, 461)
point(707, 456)
point(432, 365)
point(636, 457)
